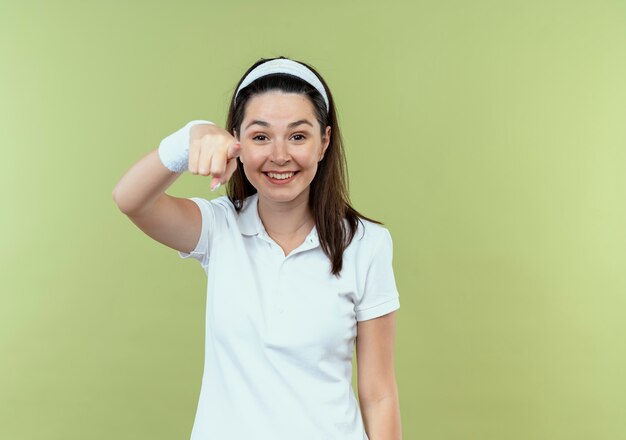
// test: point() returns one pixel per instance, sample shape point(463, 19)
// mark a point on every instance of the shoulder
point(216, 213)
point(223, 214)
point(369, 233)
point(369, 239)
point(222, 203)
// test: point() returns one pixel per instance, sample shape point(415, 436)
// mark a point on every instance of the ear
point(325, 142)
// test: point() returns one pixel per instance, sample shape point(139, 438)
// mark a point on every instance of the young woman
point(296, 276)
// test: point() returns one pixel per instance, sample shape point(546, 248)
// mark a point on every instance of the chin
point(282, 195)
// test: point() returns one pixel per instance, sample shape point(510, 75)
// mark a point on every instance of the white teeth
point(280, 176)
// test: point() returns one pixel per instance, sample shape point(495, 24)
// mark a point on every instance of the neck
point(286, 219)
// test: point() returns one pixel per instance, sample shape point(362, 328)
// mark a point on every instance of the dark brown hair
point(335, 219)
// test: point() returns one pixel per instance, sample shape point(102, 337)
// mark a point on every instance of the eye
point(301, 137)
point(256, 138)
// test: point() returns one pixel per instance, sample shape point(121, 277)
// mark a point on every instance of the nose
point(280, 152)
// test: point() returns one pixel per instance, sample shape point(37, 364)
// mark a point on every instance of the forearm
point(143, 183)
point(382, 419)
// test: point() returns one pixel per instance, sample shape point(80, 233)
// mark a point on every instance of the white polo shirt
point(280, 330)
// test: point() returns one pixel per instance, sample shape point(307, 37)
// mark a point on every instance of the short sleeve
point(201, 251)
point(380, 294)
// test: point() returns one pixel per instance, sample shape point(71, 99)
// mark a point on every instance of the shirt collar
point(250, 223)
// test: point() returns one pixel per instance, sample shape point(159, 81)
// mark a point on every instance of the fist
point(213, 151)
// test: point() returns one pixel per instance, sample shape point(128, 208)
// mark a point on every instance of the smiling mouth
point(281, 176)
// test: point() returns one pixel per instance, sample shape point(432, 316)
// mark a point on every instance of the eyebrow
point(266, 124)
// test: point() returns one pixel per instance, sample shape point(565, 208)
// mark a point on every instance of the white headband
point(282, 65)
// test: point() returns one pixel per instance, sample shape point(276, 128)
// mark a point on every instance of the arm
point(139, 194)
point(200, 146)
point(378, 391)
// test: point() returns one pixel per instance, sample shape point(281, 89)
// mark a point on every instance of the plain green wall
point(488, 136)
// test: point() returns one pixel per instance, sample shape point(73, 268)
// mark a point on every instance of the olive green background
point(489, 137)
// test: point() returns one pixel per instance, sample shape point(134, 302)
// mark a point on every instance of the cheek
point(309, 165)
point(308, 159)
point(248, 156)
point(253, 161)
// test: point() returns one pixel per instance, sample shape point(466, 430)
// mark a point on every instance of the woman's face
point(281, 145)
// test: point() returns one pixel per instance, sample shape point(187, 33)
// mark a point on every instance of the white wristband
point(174, 149)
